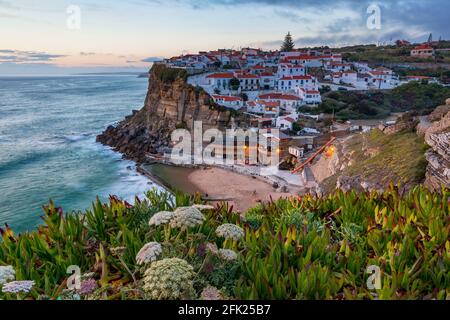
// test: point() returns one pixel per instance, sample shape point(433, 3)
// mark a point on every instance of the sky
point(71, 36)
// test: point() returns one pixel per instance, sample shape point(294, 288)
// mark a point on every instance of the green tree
point(288, 44)
point(235, 84)
point(296, 127)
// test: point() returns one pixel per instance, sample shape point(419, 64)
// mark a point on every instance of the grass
point(399, 158)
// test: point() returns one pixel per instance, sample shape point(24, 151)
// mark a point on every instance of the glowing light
point(330, 151)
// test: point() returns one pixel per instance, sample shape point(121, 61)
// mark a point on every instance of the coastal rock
point(437, 136)
point(170, 103)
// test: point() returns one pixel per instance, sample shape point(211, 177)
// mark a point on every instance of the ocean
point(48, 127)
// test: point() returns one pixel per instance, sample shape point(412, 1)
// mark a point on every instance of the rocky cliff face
point(170, 103)
point(437, 136)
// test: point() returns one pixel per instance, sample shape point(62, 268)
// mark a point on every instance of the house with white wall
point(267, 81)
point(290, 83)
point(423, 51)
point(285, 122)
point(346, 77)
point(288, 102)
point(219, 80)
point(249, 82)
point(231, 102)
point(288, 70)
point(309, 96)
point(267, 109)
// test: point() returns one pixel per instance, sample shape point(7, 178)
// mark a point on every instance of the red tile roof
point(227, 98)
point(423, 47)
point(279, 96)
point(220, 76)
point(297, 78)
point(289, 119)
point(247, 76)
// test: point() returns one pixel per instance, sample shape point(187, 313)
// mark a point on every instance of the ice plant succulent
point(161, 218)
point(230, 232)
point(228, 255)
point(7, 274)
point(186, 217)
point(148, 253)
point(169, 279)
point(18, 287)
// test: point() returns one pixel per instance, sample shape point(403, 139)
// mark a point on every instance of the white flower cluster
point(230, 231)
point(181, 217)
point(228, 255)
point(161, 218)
point(7, 274)
point(212, 248)
point(202, 207)
point(186, 217)
point(18, 286)
point(148, 253)
point(169, 279)
point(211, 294)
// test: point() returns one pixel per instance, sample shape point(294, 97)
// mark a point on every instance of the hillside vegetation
point(391, 54)
point(413, 96)
point(378, 159)
point(299, 248)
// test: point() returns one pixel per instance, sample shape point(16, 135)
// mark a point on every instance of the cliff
point(170, 103)
point(437, 136)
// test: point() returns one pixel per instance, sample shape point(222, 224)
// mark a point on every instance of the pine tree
point(288, 44)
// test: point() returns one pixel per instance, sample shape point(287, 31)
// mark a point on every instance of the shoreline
point(219, 184)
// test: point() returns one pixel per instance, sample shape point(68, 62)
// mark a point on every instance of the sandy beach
point(242, 191)
point(218, 185)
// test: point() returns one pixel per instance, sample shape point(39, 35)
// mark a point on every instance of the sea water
point(48, 127)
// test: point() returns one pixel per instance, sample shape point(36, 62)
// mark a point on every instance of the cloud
point(410, 19)
point(87, 53)
point(17, 56)
point(152, 59)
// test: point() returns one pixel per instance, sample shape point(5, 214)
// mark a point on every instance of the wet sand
point(217, 185)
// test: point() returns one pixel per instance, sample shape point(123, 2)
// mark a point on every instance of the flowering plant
point(169, 279)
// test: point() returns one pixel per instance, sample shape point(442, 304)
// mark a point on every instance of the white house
point(292, 82)
point(297, 152)
point(308, 96)
point(249, 82)
point(346, 77)
point(268, 109)
point(312, 97)
point(289, 69)
point(267, 81)
point(362, 67)
point(232, 102)
point(219, 81)
point(288, 102)
point(306, 60)
point(338, 67)
point(422, 51)
point(285, 123)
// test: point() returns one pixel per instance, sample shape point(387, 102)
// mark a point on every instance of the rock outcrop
point(437, 136)
point(170, 103)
